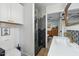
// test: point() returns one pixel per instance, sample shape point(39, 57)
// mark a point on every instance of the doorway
point(53, 25)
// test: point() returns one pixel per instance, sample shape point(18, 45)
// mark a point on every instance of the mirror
point(71, 16)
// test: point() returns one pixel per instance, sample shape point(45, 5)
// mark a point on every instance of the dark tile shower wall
point(75, 33)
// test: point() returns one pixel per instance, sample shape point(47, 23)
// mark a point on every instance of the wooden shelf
point(10, 23)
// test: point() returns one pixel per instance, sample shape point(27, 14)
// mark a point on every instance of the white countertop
point(61, 50)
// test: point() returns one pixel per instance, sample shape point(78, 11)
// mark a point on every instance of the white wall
point(14, 35)
point(27, 31)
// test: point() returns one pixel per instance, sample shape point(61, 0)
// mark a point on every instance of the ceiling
point(44, 5)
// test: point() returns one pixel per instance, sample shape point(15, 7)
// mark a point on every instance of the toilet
point(10, 48)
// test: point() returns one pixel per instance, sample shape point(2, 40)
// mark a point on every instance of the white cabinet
point(4, 11)
point(17, 13)
point(11, 13)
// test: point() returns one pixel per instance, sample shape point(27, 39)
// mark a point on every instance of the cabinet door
point(20, 14)
point(17, 13)
point(4, 11)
